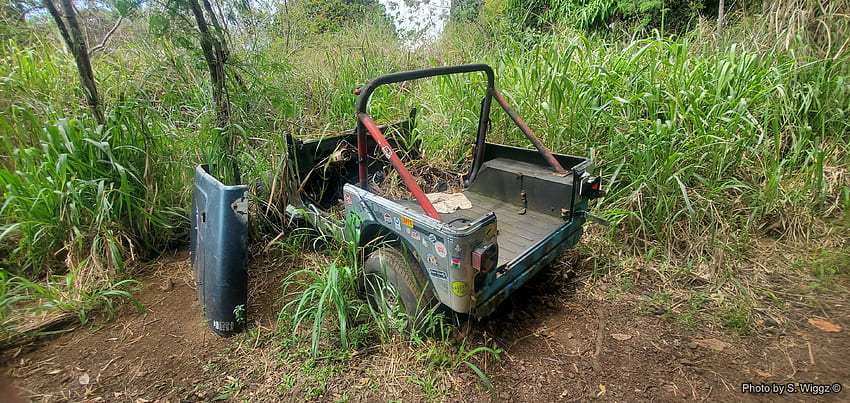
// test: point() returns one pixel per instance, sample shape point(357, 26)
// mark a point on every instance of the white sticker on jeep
point(441, 249)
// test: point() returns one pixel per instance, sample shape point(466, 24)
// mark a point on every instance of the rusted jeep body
point(527, 207)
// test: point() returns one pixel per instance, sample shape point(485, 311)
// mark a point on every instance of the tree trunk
point(721, 15)
point(212, 49)
point(73, 37)
point(215, 56)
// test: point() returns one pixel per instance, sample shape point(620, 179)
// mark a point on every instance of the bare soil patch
point(591, 345)
point(562, 338)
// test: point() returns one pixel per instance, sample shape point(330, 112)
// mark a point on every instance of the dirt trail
point(586, 347)
point(560, 342)
point(133, 356)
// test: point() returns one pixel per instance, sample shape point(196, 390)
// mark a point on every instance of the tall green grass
point(700, 148)
point(84, 192)
point(80, 200)
point(22, 299)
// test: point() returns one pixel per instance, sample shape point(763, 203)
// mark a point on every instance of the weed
point(12, 293)
point(736, 316)
point(82, 193)
point(828, 268)
point(319, 295)
point(230, 389)
point(61, 293)
point(239, 314)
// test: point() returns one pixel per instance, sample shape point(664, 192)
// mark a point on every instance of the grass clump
point(81, 196)
point(319, 295)
point(325, 300)
point(25, 303)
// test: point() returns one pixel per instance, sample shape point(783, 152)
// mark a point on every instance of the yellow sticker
point(459, 288)
point(407, 221)
point(491, 231)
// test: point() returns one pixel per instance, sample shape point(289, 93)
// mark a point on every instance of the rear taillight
point(485, 256)
point(591, 187)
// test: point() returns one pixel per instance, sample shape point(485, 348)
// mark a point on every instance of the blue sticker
point(397, 223)
point(438, 274)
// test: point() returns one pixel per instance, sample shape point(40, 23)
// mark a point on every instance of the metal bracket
point(596, 220)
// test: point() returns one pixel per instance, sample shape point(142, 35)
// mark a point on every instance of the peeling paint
point(240, 208)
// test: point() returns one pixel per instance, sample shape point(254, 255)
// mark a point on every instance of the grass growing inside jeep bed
point(722, 155)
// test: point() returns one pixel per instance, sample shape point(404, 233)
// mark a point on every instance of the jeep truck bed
point(520, 228)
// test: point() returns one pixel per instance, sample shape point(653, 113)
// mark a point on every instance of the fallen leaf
point(621, 337)
point(764, 374)
point(824, 325)
point(84, 379)
point(602, 390)
point(712, 344)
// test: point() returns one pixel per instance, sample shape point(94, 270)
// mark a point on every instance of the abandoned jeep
point(516, 209)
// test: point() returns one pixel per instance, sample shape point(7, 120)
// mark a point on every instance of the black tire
point(395, 284)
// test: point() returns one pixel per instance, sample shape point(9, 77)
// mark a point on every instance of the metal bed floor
point(517, 232)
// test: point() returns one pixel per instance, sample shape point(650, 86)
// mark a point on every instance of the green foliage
point(465, 10)
point(82, 191)
point(670, 15)
point(828, 268)
point(679, 133)
point(325, 298)
point(12, 292)
point(13, 21)
point(59, 293)
point(492, 11)
point(333, 15)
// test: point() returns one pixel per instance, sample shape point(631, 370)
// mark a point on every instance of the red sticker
point(347, 198)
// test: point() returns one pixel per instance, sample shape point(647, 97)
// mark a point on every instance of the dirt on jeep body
point(562, 338)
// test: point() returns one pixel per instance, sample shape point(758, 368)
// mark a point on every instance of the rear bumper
point(519, 271)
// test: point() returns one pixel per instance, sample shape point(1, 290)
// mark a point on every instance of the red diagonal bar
point(388, 152)
point(556, 166)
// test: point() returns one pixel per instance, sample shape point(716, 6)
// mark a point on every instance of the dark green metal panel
point(218, 250)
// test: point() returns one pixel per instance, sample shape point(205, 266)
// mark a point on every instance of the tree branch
point(69, 28)
point(106, 38)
